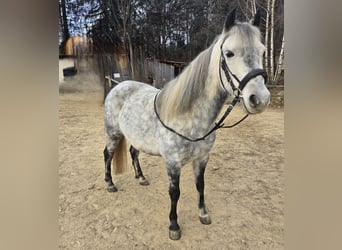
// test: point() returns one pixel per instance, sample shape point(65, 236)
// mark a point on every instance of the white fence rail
point(110, 81)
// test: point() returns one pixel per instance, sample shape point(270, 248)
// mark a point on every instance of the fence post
point(109, 82)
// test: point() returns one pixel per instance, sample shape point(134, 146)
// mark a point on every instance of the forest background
point(166, 30)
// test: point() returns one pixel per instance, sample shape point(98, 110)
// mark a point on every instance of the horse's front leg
point(173, 171)
point(199, 169)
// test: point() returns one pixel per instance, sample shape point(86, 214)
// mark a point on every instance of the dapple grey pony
point(167, 122)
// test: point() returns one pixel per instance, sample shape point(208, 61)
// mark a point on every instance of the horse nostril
point(254, 101)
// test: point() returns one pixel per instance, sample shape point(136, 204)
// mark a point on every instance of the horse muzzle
point(255, 95)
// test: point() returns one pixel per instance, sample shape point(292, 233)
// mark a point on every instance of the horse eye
point(229, 53)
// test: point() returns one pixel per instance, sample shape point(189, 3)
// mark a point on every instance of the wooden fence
point(150, 71)
point(273, 86)
point(116, 69)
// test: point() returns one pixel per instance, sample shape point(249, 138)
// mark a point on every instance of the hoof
point(143, 182)
point(205, 219)
point(112, 189)
point(175, 234)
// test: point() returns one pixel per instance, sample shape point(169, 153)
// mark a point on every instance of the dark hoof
point(143, 182)
point(205, 219)
point(175, 234)
point(112, 189)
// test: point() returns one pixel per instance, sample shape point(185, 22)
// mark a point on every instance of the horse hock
point(108, 156)
point(136, 165)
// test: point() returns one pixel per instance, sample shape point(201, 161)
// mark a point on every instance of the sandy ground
point(244, 185)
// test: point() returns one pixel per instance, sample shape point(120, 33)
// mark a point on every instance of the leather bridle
point(237, 92)
point(242, 83)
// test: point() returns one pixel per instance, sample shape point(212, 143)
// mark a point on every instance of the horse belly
point(138, 123)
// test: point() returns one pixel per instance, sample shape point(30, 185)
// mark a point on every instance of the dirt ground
point(244, 185)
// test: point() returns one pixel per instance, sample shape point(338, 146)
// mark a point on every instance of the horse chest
point(182, 151)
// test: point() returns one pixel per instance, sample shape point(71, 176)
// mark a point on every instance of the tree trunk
point(131, 56)
point(272, 41)
point(66, 33)
point(267, 47)
point(280, 65)
point(253, 7)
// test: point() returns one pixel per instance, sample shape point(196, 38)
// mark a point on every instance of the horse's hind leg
point(136, 165)
point(199, 169)
point(108, 156)
point(111, 143)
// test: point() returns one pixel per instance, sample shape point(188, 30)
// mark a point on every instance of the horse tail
point(120, 157)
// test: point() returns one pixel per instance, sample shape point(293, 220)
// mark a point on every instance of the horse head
point(242, 52)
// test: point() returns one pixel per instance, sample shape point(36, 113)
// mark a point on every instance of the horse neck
point(194, 99)
point(209, 103)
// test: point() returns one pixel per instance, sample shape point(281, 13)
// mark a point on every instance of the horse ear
point(230, 20)
point(256, 19)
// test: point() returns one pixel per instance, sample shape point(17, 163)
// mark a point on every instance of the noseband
point(237, 91)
